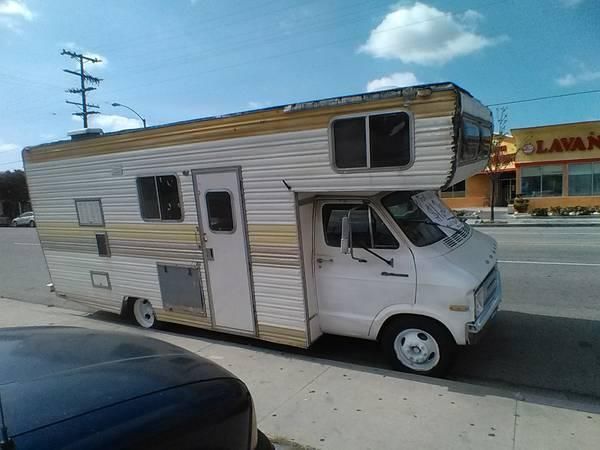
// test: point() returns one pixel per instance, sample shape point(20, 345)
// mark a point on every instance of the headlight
point(480, 295)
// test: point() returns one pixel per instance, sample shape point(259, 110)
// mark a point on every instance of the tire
point(142, 313)
point(418, 345)
point(32, 224)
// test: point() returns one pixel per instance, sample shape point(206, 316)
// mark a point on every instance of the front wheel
point(143, 313)
point(418, 345)
point(32, 224)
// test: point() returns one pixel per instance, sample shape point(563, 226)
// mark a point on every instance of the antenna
point(6, 443)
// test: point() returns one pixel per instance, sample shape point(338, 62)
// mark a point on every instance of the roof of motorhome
point(312, 104)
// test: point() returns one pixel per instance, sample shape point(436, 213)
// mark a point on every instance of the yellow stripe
point(252, 124)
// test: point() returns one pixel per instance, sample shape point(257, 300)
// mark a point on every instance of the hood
point(477, 255)
point(50, 374)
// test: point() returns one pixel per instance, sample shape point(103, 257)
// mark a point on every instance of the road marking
point(25, 243)
point(551, 263)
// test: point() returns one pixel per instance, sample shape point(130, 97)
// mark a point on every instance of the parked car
point(78, 389)
point(27, 219)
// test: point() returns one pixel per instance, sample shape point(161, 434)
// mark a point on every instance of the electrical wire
point(546, 97)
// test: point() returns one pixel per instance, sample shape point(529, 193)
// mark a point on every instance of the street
point(544, 341)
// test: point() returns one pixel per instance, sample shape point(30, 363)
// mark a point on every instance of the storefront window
point(584, 179)
point(541, 181)
point(456, 190)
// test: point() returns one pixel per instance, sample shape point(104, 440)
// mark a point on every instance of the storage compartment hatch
point(181, 288)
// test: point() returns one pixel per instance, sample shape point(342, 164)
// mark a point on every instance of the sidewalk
point(481, 217)
point(329, 405)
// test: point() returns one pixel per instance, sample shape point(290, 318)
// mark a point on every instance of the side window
point(219, 211)
point(389, 140)
point(159, 197)
point(349, 136)
point(387, 144)
point(470, 144)
point(367, 228)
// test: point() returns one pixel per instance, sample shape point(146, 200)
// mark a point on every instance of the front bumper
point(475, 329)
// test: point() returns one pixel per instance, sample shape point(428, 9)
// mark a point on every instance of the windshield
point(411, 219)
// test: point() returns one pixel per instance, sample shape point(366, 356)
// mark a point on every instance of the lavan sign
point(564, 144)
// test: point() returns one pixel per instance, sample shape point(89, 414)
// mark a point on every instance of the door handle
point(392, 274)
point(322, 260)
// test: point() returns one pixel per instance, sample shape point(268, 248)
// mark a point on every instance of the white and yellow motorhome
point(281, 224)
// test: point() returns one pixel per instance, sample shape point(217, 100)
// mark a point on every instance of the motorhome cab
point(282, 224)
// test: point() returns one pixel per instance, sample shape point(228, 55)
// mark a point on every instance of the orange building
point(552, 165)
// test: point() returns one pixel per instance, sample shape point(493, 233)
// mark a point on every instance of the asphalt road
point(545, 340)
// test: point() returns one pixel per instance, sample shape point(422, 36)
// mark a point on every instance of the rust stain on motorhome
point(441, 103)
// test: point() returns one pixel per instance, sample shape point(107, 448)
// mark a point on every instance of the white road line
point(25, 243)
point(551, 263)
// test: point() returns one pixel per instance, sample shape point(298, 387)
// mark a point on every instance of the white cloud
point(582, 76)
point(397, 79)
point(422, 34)
point(111, 122)
point(8, 147)
point(72, 46)
point(13, 13)
point(15, 8)
point(571, 3)
point(259, 104)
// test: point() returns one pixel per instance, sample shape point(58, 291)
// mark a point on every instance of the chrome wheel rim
point(143, 312)
point(417, 349)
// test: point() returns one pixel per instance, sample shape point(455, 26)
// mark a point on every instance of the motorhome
point(281, 224)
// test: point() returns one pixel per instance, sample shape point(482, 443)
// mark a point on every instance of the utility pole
point(85, 79)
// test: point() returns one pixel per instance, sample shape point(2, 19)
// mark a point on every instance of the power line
point(546, 97)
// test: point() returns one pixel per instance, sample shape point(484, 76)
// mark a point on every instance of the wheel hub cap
point(417, 349)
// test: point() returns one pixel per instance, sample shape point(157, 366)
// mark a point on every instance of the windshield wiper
point(428, 222)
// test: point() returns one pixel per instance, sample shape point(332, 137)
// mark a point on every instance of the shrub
point(521, 204)
point(539, 212)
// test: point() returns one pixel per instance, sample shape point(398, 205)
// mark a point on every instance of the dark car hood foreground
point(50, 374)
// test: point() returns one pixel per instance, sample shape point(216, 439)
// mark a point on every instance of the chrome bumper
point(475, 328)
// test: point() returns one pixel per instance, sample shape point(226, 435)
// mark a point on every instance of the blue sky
point(183, 59)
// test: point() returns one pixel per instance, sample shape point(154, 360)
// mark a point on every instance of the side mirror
point(345, 241)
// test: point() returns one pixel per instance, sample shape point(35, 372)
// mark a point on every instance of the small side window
point(102, 244)
point(159, 197)
point(485, 145)
point(219, 211)
point(470, 141)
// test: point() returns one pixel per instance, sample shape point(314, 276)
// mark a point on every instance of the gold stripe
point(183, 318)
point(441, 103)
point(280, 335)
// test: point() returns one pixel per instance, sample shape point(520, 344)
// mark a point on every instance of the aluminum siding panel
point(301, 158)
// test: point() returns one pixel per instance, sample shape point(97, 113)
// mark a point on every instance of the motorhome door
point(222, 219)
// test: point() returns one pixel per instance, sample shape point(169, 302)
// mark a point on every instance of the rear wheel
point(418, 345)
point(143, 313)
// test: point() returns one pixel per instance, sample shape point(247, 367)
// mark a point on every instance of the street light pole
point(132, 110)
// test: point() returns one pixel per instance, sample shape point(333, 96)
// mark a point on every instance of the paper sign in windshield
point(437, 212)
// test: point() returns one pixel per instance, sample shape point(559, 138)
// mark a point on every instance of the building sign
point(563, 144)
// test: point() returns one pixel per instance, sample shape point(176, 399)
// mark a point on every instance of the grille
point(458, 237)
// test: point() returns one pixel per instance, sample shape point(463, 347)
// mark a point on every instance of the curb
point(523, 225)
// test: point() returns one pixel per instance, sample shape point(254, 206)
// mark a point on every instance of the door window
point(368, 230)
point(220, 214)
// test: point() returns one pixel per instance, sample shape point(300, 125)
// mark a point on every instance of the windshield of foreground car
point(415, 224)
